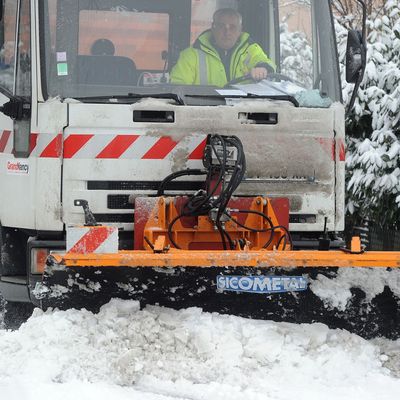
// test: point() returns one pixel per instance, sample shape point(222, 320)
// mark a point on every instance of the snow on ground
point(158, 353)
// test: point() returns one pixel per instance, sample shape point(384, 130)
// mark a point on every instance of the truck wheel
point(12, 252)
point(15, 314)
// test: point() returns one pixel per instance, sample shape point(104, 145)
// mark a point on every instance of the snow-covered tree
point(373, 159)
point(350, 11)
point(296, 55)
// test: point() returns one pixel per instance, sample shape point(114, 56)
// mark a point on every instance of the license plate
point(261, 284)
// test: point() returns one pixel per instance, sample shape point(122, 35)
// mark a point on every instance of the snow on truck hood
point(156, 353)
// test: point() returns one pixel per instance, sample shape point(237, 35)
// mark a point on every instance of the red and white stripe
point(92, 239)
point(334, 147)
point(6, 144)
point(46, 145)
point(111, 146)
point(342, 149)
point(143, 147)
point(108, 146)
point(130, 146)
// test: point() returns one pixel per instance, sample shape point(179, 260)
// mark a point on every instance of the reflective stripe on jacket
point(202, 65)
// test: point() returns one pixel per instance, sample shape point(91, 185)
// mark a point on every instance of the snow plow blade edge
point(182, 279)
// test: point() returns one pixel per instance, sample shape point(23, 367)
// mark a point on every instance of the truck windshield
point(116, 47)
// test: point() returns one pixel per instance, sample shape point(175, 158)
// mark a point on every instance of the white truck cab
point(108, 125)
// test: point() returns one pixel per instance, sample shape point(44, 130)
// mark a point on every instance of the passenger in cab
point(102, 47)
point(221, 54)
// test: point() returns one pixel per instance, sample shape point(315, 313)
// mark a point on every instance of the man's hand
point(258, 73)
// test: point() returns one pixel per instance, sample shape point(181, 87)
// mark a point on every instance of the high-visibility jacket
point(202, 65)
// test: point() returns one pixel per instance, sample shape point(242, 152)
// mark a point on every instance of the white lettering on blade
point(262, 284)
point(17, 167)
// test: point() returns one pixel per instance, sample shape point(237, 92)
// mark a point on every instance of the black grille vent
point(302, 218)
point(117, 218)
point(119, 202)
point(144, 185)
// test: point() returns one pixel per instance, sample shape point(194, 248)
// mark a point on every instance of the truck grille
point(116, 218)
point(183, 186)
point(119, 202)
point(302, 219)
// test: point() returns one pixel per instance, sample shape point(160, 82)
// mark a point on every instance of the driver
point(221, 54)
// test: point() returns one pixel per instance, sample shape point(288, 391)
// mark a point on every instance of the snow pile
point(190, 354)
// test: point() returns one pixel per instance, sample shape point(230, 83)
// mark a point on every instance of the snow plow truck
point(117, 181)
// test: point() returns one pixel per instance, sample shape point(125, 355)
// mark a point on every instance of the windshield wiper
point(174, 96)
point(284, 97)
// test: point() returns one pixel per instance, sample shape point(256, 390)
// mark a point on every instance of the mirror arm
point(364, 21)
point(17, 108)
point(364, 43)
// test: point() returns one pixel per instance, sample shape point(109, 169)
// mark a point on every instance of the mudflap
point(184, 287)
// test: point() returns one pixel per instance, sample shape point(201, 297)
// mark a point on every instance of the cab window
point(141, 37)
point(23, 73)
point(7, 51)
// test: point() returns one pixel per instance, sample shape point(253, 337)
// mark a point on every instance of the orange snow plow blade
point(220, 281)
point(219, 258)
point(240, 263)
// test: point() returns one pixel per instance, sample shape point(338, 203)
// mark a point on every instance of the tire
point(16, 314)
point(12, 252)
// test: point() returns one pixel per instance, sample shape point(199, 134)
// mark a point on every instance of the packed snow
point(157, 353)
point(336, 292)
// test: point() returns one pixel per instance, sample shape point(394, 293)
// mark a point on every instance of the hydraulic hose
point(174, 175)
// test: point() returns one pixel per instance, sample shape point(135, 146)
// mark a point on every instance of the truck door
point(15, 99)
point(7, 68)
point(15, 75)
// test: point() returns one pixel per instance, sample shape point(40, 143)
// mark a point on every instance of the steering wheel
point(240, 79)
point(274, 77)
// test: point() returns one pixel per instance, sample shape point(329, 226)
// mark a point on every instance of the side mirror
point(355, 56)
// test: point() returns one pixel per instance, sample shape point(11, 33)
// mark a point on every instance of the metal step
point(20, 279)
point(15, 288)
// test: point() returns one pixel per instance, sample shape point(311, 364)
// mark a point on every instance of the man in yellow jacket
point(222, 54)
